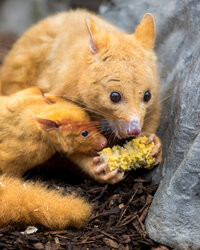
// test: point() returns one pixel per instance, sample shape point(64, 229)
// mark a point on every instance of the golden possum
point(80, 56)
point(32, 129)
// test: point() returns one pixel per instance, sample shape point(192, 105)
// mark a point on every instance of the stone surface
point(174, 217)
point(18, 15)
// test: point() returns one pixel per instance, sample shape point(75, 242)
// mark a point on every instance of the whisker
point(95, 134)
point(171, 93)
point(109, 138)
point(90, 126)
point(163, 100)
point(112, 136)
point(85, 107)
point(91, 137)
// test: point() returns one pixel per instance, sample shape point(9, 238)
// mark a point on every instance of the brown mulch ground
point(117, 221)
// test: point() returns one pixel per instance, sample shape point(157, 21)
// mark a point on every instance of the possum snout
point(134, 128)
point(131, 127)
point(99, 143)
point(133, 132)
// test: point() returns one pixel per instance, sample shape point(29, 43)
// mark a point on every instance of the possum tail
point(0, 86)
point(32, 203)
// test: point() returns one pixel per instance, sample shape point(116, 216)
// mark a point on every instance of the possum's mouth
point(94, 151)
point(117, 140)
point(122, 141)
point(123, 138)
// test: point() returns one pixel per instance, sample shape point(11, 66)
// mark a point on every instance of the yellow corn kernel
point(134, 154)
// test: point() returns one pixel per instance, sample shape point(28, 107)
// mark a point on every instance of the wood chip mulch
point(117, 221)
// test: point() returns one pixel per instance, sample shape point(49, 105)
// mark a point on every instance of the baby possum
point(32, 129)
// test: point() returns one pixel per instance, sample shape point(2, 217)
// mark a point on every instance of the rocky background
point(17, 15)
point(173, 218)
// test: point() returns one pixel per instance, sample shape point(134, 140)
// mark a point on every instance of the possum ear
point(53, 99)
point(91, 30)
point(46, 124)
point(145, 32)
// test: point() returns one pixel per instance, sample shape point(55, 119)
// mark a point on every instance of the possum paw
point(100, 174)
point(157, 150)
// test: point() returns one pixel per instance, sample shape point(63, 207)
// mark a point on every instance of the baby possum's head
point(121, 80)
point(68, 128)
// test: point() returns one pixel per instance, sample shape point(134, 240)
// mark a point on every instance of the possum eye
point(147, 96)
point(84, 133)
point(115, 97)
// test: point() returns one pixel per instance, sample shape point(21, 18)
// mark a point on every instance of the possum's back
point(34, 51)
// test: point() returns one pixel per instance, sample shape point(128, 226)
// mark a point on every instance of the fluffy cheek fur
point(132, 103)
point(62, 141)
point(73, 143)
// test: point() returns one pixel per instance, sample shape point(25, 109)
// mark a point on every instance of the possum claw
point(158, 158)
point(96, 160)
point(101, 175)
point(151, 138)
point(157, 150)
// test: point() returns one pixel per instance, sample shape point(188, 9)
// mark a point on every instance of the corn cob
point(134, 154)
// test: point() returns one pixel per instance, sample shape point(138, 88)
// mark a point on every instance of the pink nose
point(100, 142)
point(103, 142)
point(134, 132)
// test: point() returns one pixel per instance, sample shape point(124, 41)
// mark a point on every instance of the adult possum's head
point(121, 80)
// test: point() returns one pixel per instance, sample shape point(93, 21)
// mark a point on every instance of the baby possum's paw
point(157, 150)
point(100, 174)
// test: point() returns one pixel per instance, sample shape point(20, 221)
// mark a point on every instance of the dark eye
point(147, 96)
point(84, 133)
point(115, 97)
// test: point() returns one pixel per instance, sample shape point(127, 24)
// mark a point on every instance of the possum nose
point(101, 142)
point(134, 127)
point(134, 132)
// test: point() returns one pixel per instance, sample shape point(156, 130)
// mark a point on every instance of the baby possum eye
point(115, 96)
point(84, 133)
point(147, 96)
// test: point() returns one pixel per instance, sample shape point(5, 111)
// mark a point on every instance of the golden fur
point(25, 135)
point(83, 57)
point(28, 137)
point(32, 204)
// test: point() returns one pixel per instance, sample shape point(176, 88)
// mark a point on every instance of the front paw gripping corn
point(134, 154)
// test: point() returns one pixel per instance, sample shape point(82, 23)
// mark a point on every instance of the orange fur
point(82, 56)
point(32, 204)
point(26, 142)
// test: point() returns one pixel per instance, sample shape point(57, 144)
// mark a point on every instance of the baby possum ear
point(53, 98)
point(46, 124)
point(145, 32)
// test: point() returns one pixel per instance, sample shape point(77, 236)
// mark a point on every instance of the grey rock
point(16, 16)
point(174, 216)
